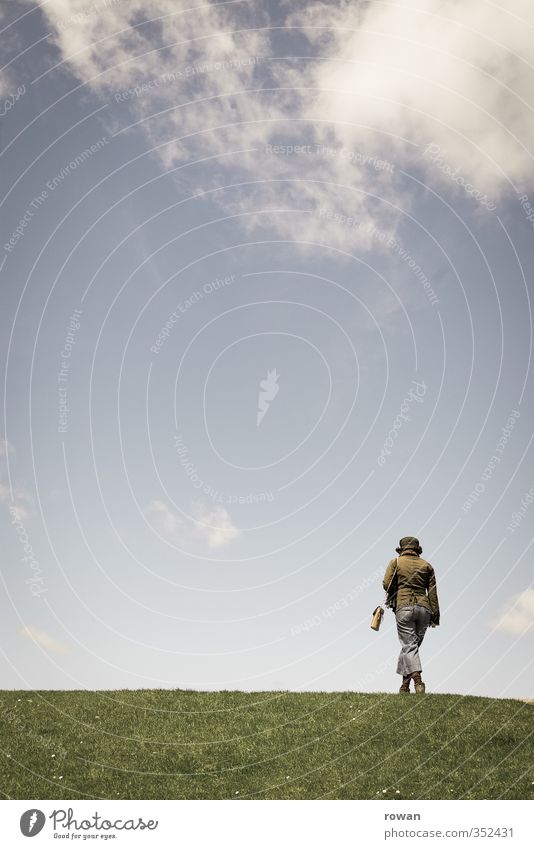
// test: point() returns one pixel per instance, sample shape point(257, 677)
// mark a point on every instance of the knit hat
point(409, 543)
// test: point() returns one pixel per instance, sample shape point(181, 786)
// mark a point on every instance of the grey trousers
point(412, 622)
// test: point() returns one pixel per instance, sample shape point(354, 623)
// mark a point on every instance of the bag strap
point(394, 573)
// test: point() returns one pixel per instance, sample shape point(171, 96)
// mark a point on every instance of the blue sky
point(266, 308)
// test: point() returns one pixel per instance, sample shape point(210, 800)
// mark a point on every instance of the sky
point(265, 282)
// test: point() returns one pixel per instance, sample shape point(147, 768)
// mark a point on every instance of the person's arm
point(433, 596)
point(389, 574)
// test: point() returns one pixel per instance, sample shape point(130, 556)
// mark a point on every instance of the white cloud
point(440, 71)
point(215, 525)
point(382, 80)
point(41, 638)
point(212, 525)
point(164, 519)
point(123, 44)
point(517, 615)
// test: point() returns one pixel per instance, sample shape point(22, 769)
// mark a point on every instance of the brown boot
point(419, 686)
point(405, 686)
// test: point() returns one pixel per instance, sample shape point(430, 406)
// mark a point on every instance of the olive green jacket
point(415, 581)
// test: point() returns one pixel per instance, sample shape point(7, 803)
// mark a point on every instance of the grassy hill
point(178, 744)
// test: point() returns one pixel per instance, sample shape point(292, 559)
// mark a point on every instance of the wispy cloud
point(16, 496)
point(383, 81)
point(43, 639)
point(165, 520)
point(212, 525)
point(517, 615)
point(5, 448)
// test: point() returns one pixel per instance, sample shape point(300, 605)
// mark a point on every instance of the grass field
point(178, 744)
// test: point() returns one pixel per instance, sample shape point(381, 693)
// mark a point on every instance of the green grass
point(178, 744)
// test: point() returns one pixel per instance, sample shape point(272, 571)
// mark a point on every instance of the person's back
point(415, 582)
point(411, 584)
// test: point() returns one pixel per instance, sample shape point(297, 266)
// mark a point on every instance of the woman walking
point(413, 596)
